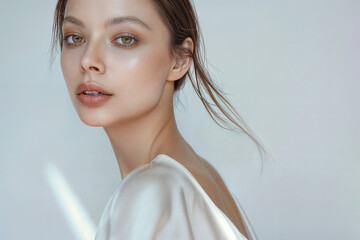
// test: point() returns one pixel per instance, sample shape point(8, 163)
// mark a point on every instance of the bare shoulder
point(215, 187)
point(211, 175)
point(208, 178)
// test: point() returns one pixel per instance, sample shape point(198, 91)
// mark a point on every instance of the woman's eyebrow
point(131, 19)
point(110, 21)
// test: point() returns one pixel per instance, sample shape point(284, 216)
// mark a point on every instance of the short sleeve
point(162, 203)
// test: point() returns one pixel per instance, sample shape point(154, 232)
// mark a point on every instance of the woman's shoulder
point(161, 174)
point(165, 180)
point(162, 199)
point(166, 175)
point(163, 185)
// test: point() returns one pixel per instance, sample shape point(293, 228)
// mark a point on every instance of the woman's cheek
point(140, 80)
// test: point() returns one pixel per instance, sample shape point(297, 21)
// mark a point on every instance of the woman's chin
point(92, 123)
point(91, 120)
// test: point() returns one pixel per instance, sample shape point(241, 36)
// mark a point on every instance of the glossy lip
point(93, 100)
point(90, 87)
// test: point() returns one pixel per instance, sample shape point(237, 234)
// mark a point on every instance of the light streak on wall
point(74, 212)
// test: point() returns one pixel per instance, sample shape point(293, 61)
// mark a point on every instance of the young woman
point(122, 62)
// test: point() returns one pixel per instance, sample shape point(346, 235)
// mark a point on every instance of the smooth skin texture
point(134, 63)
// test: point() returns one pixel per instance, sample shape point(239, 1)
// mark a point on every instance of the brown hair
point(181, 20)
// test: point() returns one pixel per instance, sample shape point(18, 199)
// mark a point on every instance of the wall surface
point(291, 69)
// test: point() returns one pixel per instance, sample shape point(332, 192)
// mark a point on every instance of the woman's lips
point(89, 99)
point(92, 100)
point(90, 87)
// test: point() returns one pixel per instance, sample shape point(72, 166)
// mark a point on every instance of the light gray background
point(291, 68)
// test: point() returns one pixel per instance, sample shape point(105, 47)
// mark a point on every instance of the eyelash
point(134, 40)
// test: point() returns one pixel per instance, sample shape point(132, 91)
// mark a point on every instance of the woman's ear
point(181, 64)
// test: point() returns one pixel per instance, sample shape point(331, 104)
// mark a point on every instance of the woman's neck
point(137, 141)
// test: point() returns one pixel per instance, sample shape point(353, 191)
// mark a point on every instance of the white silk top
point(162, 200)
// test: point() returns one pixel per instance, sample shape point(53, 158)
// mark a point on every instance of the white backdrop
point(291, 68)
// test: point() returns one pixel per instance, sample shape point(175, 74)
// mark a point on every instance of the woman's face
point(129, 59)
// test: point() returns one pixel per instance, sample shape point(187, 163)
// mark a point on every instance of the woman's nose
point(91, 60)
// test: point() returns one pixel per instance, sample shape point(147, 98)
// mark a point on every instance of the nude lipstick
point(91, 94)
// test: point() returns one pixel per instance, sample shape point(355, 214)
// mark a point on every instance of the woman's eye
point(126, 41)
point(73, 39)
point(123, 41)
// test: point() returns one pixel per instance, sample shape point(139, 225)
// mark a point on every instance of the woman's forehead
point(107, 13)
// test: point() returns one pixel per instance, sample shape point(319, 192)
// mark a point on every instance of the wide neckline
point(242, 213)
point(171, 160)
